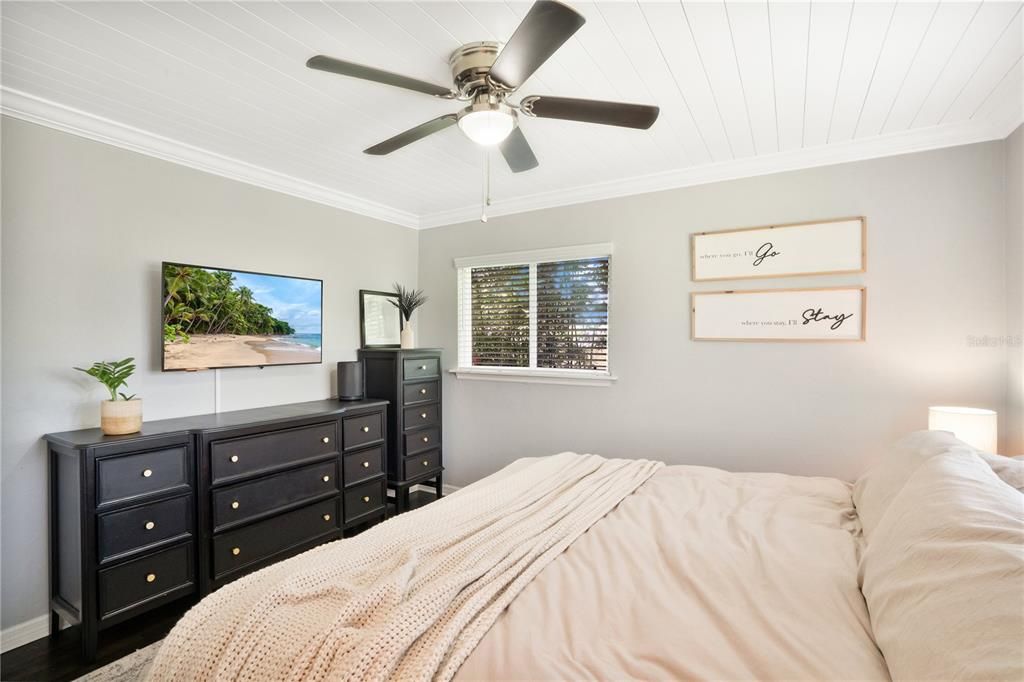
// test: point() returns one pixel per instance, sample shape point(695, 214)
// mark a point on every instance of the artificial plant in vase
point(122, 413)
point(408, 301)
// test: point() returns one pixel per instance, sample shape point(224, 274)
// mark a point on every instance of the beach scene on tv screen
point(224, 318)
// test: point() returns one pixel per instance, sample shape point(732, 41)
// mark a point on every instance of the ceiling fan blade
point(640, 116)
point(368, 73)
point(517, 152)
point(542, 31)
point(411, 135)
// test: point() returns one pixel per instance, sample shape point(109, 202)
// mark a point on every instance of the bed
point(578, 567)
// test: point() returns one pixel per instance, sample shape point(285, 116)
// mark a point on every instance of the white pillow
point(875, 490)
point(1010, 469)
point(943, 575)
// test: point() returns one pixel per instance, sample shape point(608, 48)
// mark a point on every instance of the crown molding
point(27, 107)
point(895, 144)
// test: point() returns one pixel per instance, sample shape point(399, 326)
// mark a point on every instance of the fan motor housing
point(470, 65)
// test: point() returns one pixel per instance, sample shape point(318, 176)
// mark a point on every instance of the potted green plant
point(408, 301)
point(122, 413)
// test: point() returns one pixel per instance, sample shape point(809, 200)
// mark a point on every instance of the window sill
point(536, 376)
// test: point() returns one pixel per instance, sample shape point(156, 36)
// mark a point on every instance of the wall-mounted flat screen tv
point(215, 318)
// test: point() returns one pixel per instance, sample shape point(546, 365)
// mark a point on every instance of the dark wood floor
point(60, 659)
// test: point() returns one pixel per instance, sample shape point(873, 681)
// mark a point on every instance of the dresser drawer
point(141, 580)
point(125, 477)
point(423, 463)
point(363, 500)
point(363, 430)
point(238, 503)
point(424, 415)
point(421, 392)
point(237, 549)
point(362, 465)
point(418, 441)
point(420, 368)
point(243, 457)
point(139, 527)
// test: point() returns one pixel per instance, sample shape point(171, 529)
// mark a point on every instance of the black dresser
point(189, 504)
point(411, 381)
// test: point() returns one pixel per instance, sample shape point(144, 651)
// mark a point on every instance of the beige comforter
point(700, 574)
point(409, 598)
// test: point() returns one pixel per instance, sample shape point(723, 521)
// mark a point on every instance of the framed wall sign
point(380, 325)
point(832, 314)
point(827, 247)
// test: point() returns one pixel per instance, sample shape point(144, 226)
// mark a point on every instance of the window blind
point(545, 311)
point(500, 305)
point(572, 314)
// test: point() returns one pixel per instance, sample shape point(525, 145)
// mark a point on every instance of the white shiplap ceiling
point(744, 89)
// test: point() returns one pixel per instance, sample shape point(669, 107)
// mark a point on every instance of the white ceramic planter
point(408, 336)
point(118, 417)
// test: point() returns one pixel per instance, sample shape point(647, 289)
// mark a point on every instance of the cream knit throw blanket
point(408, 599)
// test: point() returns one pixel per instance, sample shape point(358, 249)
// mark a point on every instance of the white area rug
point(131, 668)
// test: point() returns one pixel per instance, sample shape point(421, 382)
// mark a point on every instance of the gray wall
point(936, 275)
point(85, 227)
point(1014, 417)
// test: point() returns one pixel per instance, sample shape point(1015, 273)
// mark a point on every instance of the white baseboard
point(23, 633)
point(445, 488)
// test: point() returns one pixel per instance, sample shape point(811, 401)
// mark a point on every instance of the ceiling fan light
point(487, 127)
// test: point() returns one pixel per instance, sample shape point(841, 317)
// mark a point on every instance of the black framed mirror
point(380, 323)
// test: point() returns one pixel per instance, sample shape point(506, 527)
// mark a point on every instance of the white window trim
point(527, 374)
point(537, 255)
point(539, 375)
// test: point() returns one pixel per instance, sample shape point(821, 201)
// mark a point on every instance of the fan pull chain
point(487, 187)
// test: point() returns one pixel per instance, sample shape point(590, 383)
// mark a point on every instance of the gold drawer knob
point(366, 499)
point(151, 577)
point(366, 465)
point(325, 439)
point(236, 551)
point(426, 462)
point(426, 439)
point(423, 391)
point(326, 479)
point(366, 429)
point(423, 368)
point(234, 505)
point(147, 473)
point(150, 525)
point(234, 458)
point(327, 517)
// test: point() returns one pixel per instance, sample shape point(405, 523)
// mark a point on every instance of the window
point(535, 315)
point(500, 316)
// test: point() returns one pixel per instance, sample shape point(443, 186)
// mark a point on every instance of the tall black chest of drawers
point(190, 504)
point(411, 381)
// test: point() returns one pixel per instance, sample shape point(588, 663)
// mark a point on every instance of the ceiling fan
point(485, 74)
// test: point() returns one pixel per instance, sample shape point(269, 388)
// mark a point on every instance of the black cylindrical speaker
point(350, 380)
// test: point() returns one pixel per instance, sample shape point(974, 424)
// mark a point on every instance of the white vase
point(408, 335)
point(118, 417)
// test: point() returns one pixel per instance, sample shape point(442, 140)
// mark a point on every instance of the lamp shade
point(487, 127)
point(972, 425)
